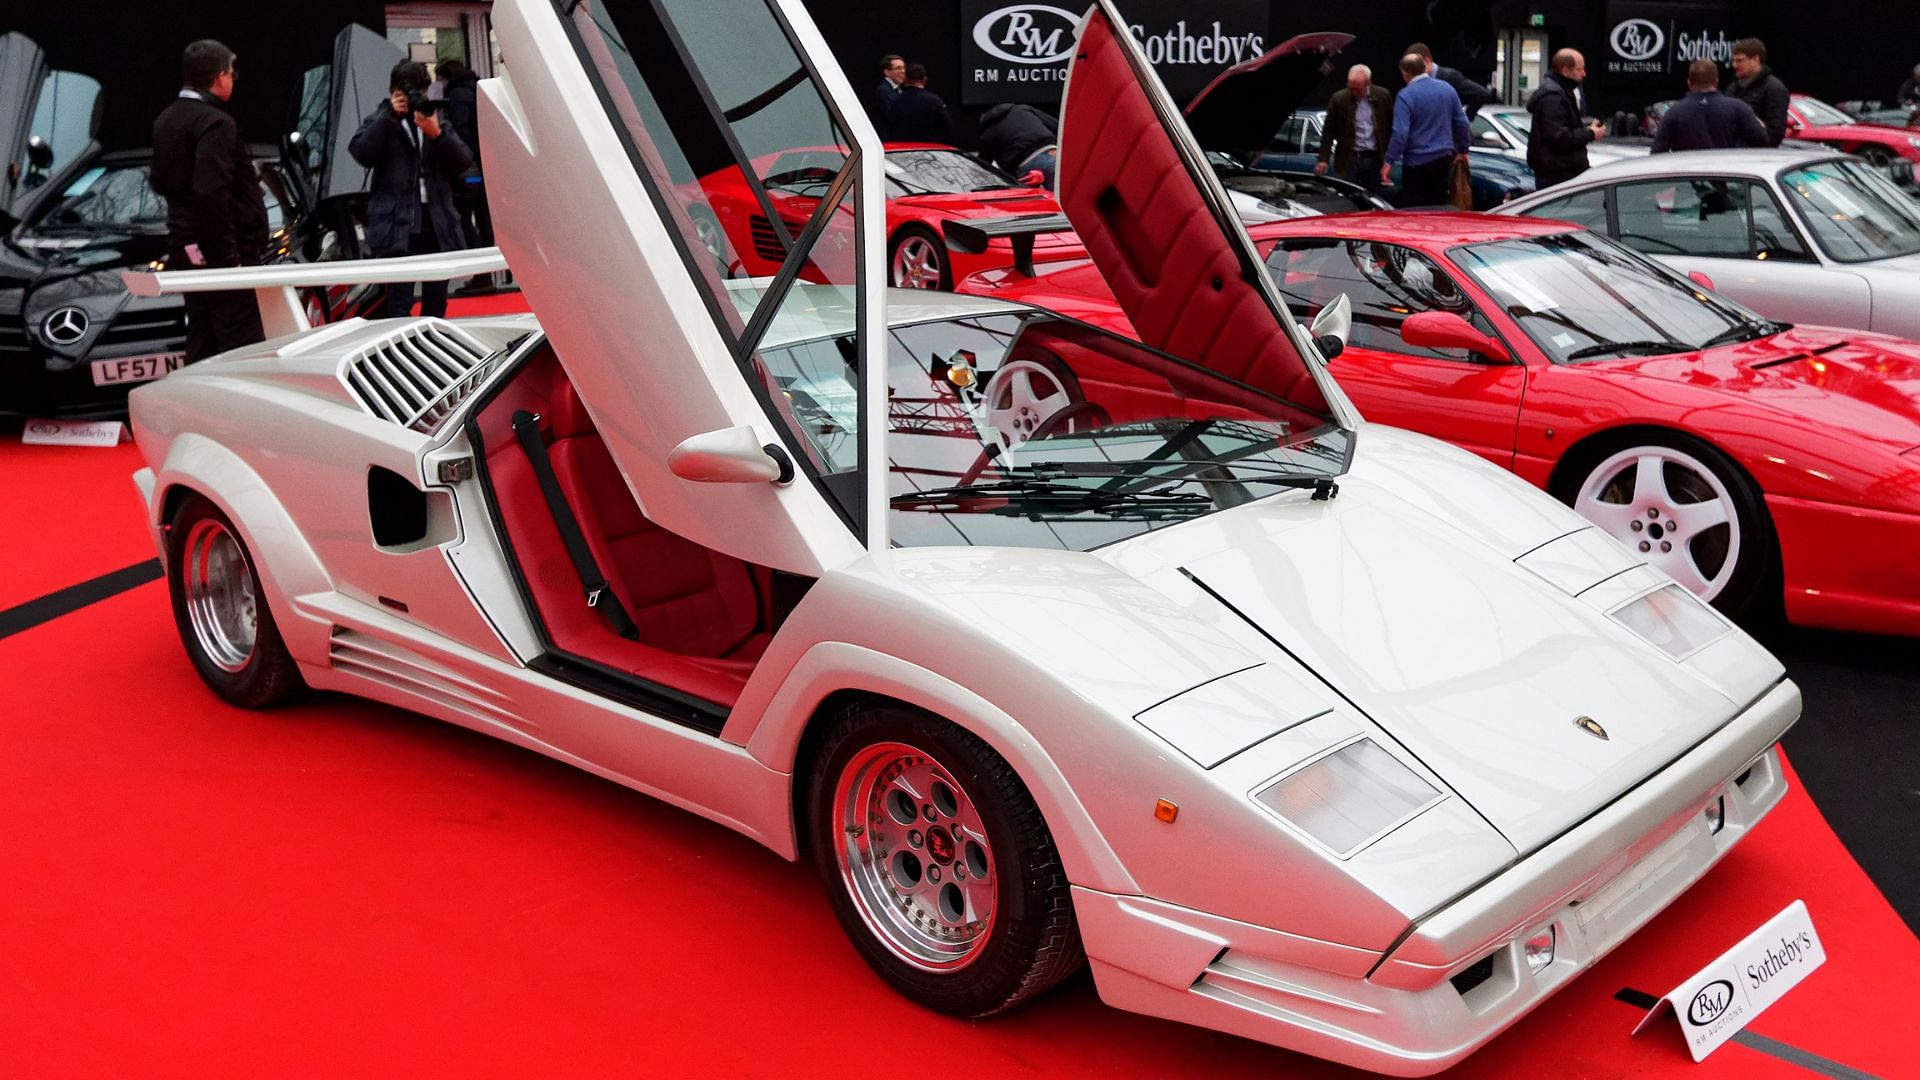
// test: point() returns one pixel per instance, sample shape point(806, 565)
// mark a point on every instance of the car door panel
point(1473, 405)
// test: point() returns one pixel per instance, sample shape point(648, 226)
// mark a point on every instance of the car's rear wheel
point(919, 261)
point(938, 865)
point(1878, 156)
point(221, 610)
point(1685, 508)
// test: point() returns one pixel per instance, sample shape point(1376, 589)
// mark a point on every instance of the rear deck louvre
point(416, 377)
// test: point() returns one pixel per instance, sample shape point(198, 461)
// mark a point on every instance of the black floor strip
point(74, 597)
point(1793, 1055)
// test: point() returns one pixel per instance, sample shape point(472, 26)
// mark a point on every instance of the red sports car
point(1813, 120)
point(1747, 459)
point(927, 184)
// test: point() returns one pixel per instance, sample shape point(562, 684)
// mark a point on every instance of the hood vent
point(418, 376)
point(1808, 355)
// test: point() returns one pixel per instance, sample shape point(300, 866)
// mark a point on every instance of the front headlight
point(1346, 799)
point(1913, 142)
point(1539, 950)
point(1674, 619)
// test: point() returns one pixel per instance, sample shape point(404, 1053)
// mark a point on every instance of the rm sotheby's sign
point(1728, 993)
point(1652, 42)
point(1013, 51)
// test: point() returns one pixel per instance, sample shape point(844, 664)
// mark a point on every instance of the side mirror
point(1445, 330)
point(1333, 327)
point(730, 456)
point(39, 153)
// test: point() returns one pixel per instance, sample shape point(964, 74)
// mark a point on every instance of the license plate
point(126, 369)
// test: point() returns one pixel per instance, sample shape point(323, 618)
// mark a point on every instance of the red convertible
point(1750, 460)
point(927, 184)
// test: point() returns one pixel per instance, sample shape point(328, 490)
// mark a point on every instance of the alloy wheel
point(1020, 397)
point(1672, 509)
point(916, 264)
point(221, 603)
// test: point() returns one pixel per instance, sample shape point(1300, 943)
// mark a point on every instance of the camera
point(421, 105)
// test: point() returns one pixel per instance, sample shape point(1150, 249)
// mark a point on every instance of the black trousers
point(219, 321)
point(1363, 168)
point(433, 294)
point(1426, 185)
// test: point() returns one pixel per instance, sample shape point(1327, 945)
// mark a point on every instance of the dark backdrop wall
point(1839, 50)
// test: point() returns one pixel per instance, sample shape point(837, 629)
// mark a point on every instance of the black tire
point(938, 250)
point(268, 675)
point(1031, 943)
point(1753, 590)
point(1877, 156)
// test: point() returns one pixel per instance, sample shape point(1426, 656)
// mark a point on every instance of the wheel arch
point(1596, 444)
point(833, 676)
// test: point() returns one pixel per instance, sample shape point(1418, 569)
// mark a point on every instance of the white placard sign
point(72, 432)
point(1727, 994)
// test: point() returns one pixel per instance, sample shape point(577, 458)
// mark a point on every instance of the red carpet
point(342, 889)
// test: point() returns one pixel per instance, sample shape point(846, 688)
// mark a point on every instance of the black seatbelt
point(600, 596)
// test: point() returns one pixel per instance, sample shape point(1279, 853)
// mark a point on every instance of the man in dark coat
point(1356, 138)
point(1021, 139)
point(1756, 84)
point(462, 113)
point(215, 214)
point(893, 75)
point(1472, 94)
point(1909, 94)
point(1557, 145)
point(918, 113)
point(415, 159)
point(1707, 119)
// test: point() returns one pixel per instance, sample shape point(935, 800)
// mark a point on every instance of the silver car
point(1504, 129)
point(1802, 235)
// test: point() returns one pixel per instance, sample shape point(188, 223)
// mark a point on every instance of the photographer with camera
point(415, 158)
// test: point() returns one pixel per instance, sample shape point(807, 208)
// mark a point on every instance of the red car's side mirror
point(1445, 330)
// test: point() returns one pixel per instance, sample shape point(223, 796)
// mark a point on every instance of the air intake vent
point(417, 377)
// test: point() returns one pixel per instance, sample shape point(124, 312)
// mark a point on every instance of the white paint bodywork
point(1439, 606)
point(1882, 295)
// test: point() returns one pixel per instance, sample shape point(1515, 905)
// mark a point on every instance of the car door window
point(1773, 236)
point(1586, 208)
point(1385, 283)
point(1292, 137)
point(1701, 216)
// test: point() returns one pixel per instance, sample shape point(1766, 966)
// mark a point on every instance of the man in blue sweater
point(1430, 132)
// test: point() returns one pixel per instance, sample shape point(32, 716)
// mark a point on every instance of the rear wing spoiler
point(974, 236)
point(276, 288)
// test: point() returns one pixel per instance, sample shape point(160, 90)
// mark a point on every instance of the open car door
point(617, 123)
point(1158, 224)
point(48, 123)
point(352, 85)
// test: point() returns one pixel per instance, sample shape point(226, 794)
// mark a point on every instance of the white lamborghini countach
point(1046, 646)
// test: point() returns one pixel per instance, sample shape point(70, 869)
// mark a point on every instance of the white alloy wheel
point(1672, 509)
point(1022, 396)
point(915, 857)
point(917, 263)
point(221, 605)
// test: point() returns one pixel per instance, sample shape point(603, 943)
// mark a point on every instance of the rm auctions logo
point(1026, 33)
point(1711, 1003)
point(1637, 39)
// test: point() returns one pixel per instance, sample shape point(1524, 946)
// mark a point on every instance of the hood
point(1448, 621)
point(1244, 105)
point(1825, 378)
point(1153, 216)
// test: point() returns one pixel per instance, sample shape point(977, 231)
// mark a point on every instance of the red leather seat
point(701, 615)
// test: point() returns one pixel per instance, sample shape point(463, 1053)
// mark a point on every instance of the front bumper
point(1459, 976)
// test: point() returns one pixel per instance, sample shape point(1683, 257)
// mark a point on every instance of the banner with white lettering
point(1018, 51)
point(1654, 43)
point(1726, 995)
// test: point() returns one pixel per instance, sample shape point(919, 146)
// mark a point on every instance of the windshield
point(109, 198)
point(1024, 429)
point(1819, 113)
point(940, 172)
point(1854, 213)
point(1582, 297)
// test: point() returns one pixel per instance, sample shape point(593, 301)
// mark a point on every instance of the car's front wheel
point(938, 865)
point(221, 610)
point(1684, 507)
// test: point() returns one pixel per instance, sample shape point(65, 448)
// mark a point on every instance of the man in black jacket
point(1557, 145)
point(415, 158)
point(215, 214)
point(1707, 119)
point(893, 75)
point(1756, 84)
point(462, 113)
point(1355, 138)
point(1021, 139)
point(1472, 94)
point(918, 113)
point(1909, 94)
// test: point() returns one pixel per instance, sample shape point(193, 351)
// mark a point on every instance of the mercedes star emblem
point(66, 326)
point(1592, 727)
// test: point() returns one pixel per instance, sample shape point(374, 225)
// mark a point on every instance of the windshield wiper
point(1025, 496)
point(1759, 328)
point(1243, 472)
point(1650, 347)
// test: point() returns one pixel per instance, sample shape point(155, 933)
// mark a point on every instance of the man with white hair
point(1355, 137)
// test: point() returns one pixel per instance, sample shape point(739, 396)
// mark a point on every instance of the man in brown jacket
point(1356, 138)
